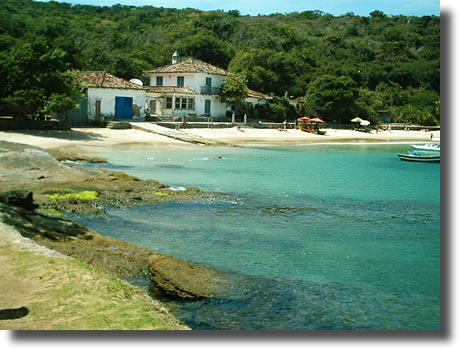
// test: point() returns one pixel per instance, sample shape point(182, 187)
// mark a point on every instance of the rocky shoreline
point(38, 188)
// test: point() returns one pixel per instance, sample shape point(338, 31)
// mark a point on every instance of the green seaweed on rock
point(84, 196)
point(159, 193)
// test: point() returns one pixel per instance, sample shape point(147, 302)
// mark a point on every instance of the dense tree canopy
point(234, 90)
point(36, 80)
point(341, 66)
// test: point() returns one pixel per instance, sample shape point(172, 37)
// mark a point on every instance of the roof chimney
point(175, 58)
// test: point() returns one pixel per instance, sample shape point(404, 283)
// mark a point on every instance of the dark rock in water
point(12, 314)
point(20, 198)
point(182, 279)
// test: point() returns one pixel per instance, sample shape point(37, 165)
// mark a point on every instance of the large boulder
point(31, 167)
point(182, 279)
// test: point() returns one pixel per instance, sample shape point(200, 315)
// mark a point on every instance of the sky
point(265, 7)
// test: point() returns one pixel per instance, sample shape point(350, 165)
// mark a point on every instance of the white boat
point(418, 157)
point(429, 147)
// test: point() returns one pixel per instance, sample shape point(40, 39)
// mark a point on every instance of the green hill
point(340, 65)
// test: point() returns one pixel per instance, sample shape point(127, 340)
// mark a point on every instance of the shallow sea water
point(314, 236)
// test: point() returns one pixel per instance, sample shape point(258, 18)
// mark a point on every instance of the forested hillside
point(341, 66)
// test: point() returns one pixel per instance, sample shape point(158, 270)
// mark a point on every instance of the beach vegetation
point(332, 96)
point(276, 109)
point(234, 91)
point(38, 80)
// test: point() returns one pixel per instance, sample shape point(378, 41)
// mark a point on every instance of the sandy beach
point(248, 135)
point(102, 137)
point(84, 136)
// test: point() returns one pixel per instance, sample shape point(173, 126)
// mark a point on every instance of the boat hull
point(419, 158)
point(427, 148)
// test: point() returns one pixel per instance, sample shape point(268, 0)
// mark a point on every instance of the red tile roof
point(100, 79)
point(190, 65)
point(256, 94)
point(169, 90)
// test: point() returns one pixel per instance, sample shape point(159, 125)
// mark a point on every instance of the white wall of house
point(106, 96)
point(170, 79)
point(161, 104)
point(193, 81)
point(256, 101)
point(218, 109)
point(294, 103)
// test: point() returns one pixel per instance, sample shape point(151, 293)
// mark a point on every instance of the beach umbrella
point(365, 122)
point(317, 120)
point(304, 119)
point(356, 120)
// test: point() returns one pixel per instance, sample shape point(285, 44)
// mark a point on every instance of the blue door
point(123, 107)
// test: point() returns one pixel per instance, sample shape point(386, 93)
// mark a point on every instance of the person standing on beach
point(284, 124)
point(376, 129)
point(389, 127)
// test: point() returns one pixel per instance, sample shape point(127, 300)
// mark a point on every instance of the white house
point(110, 97)
point(189, 87)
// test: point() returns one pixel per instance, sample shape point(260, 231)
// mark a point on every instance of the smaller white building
point(110, 97)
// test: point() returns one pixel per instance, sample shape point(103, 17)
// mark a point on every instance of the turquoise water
point(314, 237)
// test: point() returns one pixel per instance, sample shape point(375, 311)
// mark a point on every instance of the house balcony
point(208, 90)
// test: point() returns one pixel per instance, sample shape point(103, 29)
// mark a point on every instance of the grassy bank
point(63, 293)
